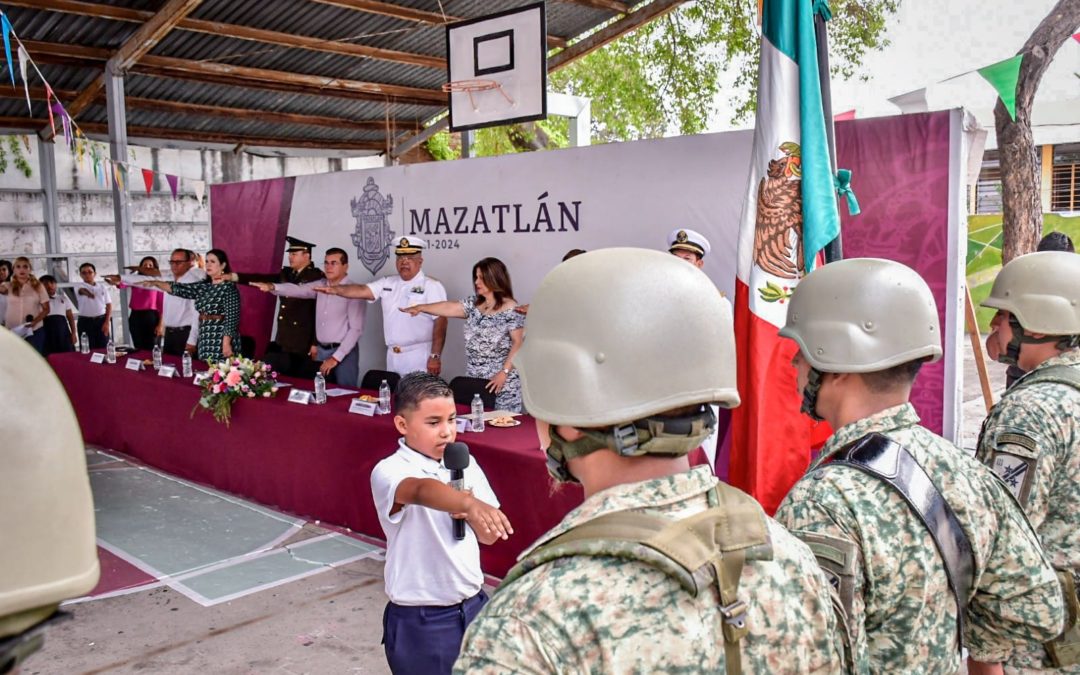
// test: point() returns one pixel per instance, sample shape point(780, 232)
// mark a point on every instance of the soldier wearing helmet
point(924, 544)
point(49, 552)
point(661, 569)
point(1031, 438)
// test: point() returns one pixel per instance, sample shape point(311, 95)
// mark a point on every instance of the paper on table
point(338, 391)
point(282, 385)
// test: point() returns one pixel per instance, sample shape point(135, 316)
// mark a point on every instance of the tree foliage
point(666, 76)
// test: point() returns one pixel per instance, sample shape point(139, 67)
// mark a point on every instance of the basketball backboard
point(497, 68)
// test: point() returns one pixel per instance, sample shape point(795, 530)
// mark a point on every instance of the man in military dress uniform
point(293, 349)
point(662, 569)
point(1031, 438)
point(689, 245)
point(412, 342)
point(886, 495)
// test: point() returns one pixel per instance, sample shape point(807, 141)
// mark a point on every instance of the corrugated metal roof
point(98, 28)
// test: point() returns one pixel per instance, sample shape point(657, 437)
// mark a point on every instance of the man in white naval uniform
point(412, 343)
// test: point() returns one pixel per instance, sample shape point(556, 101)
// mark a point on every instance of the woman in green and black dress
point(218, 304)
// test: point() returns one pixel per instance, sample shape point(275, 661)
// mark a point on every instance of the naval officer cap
point(409, 245)
point(688, 240)
point(298, 245)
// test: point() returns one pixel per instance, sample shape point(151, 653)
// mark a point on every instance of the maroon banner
point(249, 222)
point(900, 173)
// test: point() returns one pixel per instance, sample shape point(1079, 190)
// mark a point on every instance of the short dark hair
point(87, 264)
point(341, 252)
point(415, 388)
point(1056, 241)
point(188, 255)
point(573, 253)
point(7, 264)
point(891, 379)
point(47, 279)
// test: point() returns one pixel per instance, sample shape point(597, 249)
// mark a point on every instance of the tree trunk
point(1020, 200)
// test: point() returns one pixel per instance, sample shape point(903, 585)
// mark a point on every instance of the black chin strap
point(1012, 351)
point(810, 394)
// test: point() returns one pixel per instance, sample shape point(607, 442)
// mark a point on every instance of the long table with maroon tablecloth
point(313, 461)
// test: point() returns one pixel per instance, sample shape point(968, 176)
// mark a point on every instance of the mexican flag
point(789, 217)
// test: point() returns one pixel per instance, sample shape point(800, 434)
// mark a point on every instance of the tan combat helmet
point(1042, 290)
point(47, 529)
point(620, 335)
point(863, 315)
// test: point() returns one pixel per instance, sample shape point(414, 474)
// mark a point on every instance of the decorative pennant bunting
point(6, 25)
point(118, 174)
point(174, 184)
point(1076, 36)
point(1002, 76)
point(148, 180)
point(844, 116)
point(911, 102)
point(200, 189)
point(24, 61)
point(49, 104)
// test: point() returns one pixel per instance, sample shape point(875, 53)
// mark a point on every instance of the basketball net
point(470, 86)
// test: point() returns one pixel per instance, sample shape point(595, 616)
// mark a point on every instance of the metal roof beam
point(101, 129)
point(610, 5)
point(223, 73)
point(613, 31)
point(273, 117)
point(287, 40)
point(141, 41)
point(410, 14)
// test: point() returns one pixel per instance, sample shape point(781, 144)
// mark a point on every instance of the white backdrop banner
point(527, 210)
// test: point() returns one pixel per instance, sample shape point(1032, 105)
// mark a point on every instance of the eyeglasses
point(177, 262)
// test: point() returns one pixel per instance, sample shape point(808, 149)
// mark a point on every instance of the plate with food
point(367, 398)
point(504, 422)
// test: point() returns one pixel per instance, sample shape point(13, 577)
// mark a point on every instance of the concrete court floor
point(326, 623)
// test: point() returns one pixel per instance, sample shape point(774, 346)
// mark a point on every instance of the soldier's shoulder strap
point(1059, 374)
point(880, 456)
point(697, 551)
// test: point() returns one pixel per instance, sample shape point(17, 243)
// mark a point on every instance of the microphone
point(456, 458)
point(29, 318)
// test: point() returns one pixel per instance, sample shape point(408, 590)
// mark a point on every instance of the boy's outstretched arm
point(489, 523)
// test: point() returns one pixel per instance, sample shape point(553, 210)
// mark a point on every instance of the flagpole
point(834, 249)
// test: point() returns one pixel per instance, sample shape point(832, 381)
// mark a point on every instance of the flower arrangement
point(231, 380)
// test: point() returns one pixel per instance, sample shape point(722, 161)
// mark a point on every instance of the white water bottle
point(384, 399)
point(186, 361)
point(157, 356)
point(320, 389)
point(84, 344)
point(477, 422)
point(110, 351)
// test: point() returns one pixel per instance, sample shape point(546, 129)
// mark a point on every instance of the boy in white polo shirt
point(433, 581)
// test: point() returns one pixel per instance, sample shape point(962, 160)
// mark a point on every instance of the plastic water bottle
point(84, 343)
point(157, 356)
point(320, 389)
point(186, 361)
point(110, 351)
point(384, 399)
point(477, 422)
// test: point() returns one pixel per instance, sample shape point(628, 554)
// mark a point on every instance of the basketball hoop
point(470, 86)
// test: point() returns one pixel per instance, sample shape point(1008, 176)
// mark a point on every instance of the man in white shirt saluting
point(412, 343)
point(179, 324)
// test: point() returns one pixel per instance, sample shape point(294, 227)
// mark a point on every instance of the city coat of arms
point(372, 235)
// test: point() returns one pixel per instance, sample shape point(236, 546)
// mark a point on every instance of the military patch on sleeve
point(837, 558)
point(1015, 471)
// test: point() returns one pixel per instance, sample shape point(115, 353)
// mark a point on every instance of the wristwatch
point(433, 356)
point(506, 371)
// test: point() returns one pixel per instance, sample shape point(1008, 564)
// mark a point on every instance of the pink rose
point(216, 389)
point(233, 378)
point(217, 376)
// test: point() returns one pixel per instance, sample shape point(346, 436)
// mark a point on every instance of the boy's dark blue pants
point(426, 640)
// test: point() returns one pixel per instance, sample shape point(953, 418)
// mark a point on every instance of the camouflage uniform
point(903, 616)
point(608, 615)
point(1046, 482)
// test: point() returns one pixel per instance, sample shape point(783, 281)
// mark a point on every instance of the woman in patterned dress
point(218, 304)
point(493, 331)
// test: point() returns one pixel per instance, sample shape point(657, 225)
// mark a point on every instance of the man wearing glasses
point(179, 323)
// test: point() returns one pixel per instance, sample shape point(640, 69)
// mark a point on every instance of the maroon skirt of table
point(312, 461)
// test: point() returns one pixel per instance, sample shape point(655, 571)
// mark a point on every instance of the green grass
point(984, 254)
